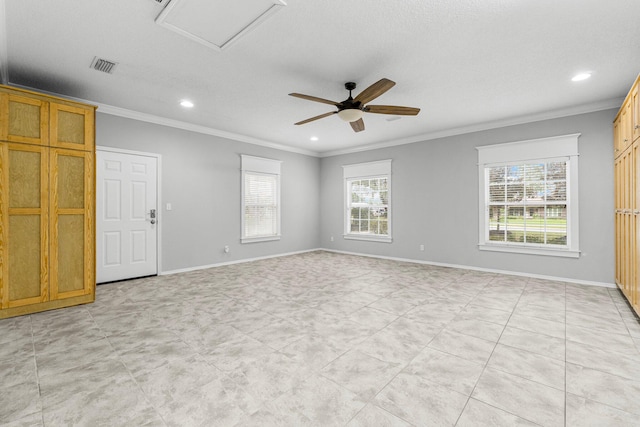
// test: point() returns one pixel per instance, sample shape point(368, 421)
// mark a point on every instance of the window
point(260, 199)
point(368, 201)
point(529, 196)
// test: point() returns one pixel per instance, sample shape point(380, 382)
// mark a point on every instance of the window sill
point(259, 239)
point(566, 253)
point(368, 237)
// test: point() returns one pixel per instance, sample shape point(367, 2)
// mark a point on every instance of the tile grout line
point(565, 355)
point(127, 369)
point(486, 364)
point(35, 362)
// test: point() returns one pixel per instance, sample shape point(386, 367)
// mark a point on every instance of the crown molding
point(547, 115)
point(150, 118)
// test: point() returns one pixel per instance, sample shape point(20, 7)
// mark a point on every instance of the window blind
point(260, 199)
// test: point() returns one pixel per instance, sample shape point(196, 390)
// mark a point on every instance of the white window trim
point(260, 165)
point(356, 171)
point(522, 151)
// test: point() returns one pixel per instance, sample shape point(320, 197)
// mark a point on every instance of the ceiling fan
point(352, 109)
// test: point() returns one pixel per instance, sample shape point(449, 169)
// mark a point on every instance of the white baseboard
point(415, 261)
point(239, 261)
point(488, 270)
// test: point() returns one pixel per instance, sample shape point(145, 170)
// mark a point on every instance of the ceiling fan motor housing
point(349, 104)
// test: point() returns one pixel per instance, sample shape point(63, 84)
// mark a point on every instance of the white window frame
point(354, 172)
point(544, 150)
point(260, 166)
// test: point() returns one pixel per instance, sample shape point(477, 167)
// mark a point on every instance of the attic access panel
point(216, 23)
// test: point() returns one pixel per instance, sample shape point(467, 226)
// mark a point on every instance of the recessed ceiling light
point(186, 103)
point(314, 138)
point(580, 77)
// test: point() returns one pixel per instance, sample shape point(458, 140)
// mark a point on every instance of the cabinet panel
point(25, 178)
point(24, 119)
point(72, 225)
point(24, 258)
point(70, 253)
point(72, 127)
point(71, 186)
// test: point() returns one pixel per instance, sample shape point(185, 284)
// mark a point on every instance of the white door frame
point(158, 158)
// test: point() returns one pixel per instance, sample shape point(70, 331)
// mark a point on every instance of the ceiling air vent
point(103, 65)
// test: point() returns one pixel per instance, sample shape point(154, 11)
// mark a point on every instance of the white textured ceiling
point(468, 64)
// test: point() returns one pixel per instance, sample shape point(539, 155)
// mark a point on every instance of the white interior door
point(126, 216)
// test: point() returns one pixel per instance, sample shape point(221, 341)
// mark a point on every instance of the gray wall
point(435, 200)
point(201, 179)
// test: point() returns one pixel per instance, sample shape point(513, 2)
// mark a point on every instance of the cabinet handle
point(636, 212)
point(636, 127)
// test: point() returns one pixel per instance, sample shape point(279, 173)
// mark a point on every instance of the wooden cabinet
point(47, 203)
point(627, 198)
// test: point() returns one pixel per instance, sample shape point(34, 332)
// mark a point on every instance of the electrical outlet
point(422, 247)
point(226, 249)
point(168, 206)
point(332, 238)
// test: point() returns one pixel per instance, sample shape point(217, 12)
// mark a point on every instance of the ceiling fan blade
point(374, 91)
point(392, 109)
point(358, 125)
point(314, 98)
point(321, 116)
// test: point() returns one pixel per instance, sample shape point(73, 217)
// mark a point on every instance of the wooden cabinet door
point(617, 137)
point(72, 127)
point(635, 106)
point(24, 223)
point(24, 119)
point(618, 217)
point(625, 124)
point(72, 271)
point(635, 261)
point(628, 224)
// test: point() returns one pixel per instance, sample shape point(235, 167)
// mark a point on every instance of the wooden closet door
point(72, 224)
point(24, 224)
point(618, 169)
point(635, 106)
point(629, 225)
point(635, 179)
point(24, 119)
point(72, 127)
point(628, 229)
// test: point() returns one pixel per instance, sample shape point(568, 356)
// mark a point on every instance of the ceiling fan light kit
point(352, 109)
point(350, 114)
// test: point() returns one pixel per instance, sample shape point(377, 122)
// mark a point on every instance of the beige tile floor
point(328, 340)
